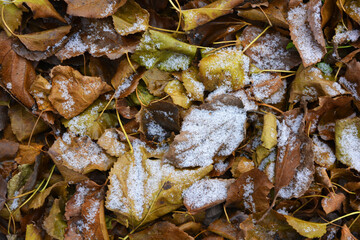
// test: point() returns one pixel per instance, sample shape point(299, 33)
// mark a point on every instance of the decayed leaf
point(40, 90)
point(177, 92)
point(311, 83)
point(213, 129)
point(85, 213)
point(12, 16)
point(269, 51)
point(41, 8)
point(88, 122)
point(161, 231)
point(161, 50)
point(307, 229)
point(54, 223)
point(130, 18)
point(347, 140)
point(205, 194)
point(17, 73)
point(39, 199)
point(93, 8)
point(72, 93)
point(23, 123)
point(79, 154)
point(41, 41)
point(111, 143)
point(143, 189)
point(158, 120)
point(311, 51)
point(225, 67)
point(269, 133)
point(333, 202)
point(8, 149)
point(194, 87)
point(251, 189)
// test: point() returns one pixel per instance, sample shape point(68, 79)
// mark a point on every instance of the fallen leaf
point(223, 228)
point(250, 189)
point(93, 8)
point(24, 123)
point(177, 92)
point(161, 231)
point(194, 87)
point(323, 154)
point(224, 67)
point(213, 129)
point(347, 140)
point(12, 17)
point(314, 20)
point(351, 8)
point(346, 234)
point(28, 153)
point(79, 154)
point(269, 133)
point(8, 149)
point(130, 18)
point(3, 192)
point(4, 105)
point(143, 189)
point(206, 193)
point(125, 109)
point(71, 92)
point(110, 141)
point(156, 80)
point(352, 79)
point(32, 232)
point(40, 89)
point(54, 224)
point(41, 41)
point(305, 228)
point(41, 9)
point(241, 165)
point(333, 202)
point(39, 200)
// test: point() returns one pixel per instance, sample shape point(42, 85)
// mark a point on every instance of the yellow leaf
point(32, 233)
point(41, 8)
point(12, 17)
point(307, 229)
point(177, 93)
point(269, 134)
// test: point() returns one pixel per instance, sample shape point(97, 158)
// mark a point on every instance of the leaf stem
point(253, 41)
point(123, 129)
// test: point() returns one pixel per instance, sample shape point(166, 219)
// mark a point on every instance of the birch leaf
point(307, 229)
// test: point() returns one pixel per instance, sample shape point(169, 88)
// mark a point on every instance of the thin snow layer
point(310, 51)
point(133, 188)
point(210, 133)
point(109, 141)
point(74, 47)
point(342, 35)
point(263, 91)
point(297, 185)
point(248, 194)
point(349, 145)
point(206, 192)
point(351, 86)
point(323, 154)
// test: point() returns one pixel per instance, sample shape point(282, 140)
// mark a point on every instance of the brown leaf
point(223, 228)
point(158, 120)
point(59, 188)
point(41, 9)
point(8, 149)
point(322, 176)
point(28, 153)
point(352, 79)
point(24, 123)
point(161, 231)
point(41, 41)
point(301, 33)
point(205, 194)
point(110, 141)
point(314, 21)
point(346, 234)
point(72, 93)
point(85, 212)
point(4, 98)
point(40, 90)
point(251, 189)
point(93, 8)
point(269, 51)
point(199, 140)
point(333, 202)
point(327, 10)
point(79, 154)
point(156, 81)
point(17, 73)
point(3, 191)
point(125, 110)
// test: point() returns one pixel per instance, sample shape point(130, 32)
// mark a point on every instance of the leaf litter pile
point(175, 119)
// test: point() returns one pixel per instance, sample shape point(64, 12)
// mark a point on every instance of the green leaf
point(307, 229)
point(54, 224)
point(161, 50)
point(144, 95)
point(290, 45)
point(325, 68)
point(87, 123)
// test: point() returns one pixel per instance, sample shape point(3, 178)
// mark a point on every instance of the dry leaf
point(333, 202)
point(54, 223)
point(346, 234)
point(177, 92)
point(307, 229)
point(12, 17)
point(110, 141)
point(223, 228)
point(93, 8)
point(41, 8)
point(8, 149)
point(40, 90)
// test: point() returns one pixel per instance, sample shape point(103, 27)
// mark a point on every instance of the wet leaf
point(41, 41)
point(79, 154)
point(72, 93)
point(93, 8)
point(41, 8)
point(54, 224)
point(161, 231)
point(177, 92)
point(130, 18)
point(213, 129)
point(224, 67)
point(333, 202)
point(307, 229)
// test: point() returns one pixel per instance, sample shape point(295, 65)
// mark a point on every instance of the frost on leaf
point(40, 90)
point(205, 194)
point(72, 93)
point(142, 189)
point(227, 67)
point(194, 87)
point(213, 129)
point(347, 141)
point(269, 51)
point(161, 50)
point(311, 83)
point(79, 154)
point(130, 18)
point(323, 154)
point(110, 141)
point(301, 32)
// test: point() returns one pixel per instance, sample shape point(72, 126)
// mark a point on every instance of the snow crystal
point(74, 47)
point(155, 129)
point(138, 26)
point(205, 192)
point(16, 202)
point(278, 96)
point(297, 185)
point(341, 37)
point(301, 34)
point(110, 143)
point(221, 166)
point(176, 62)
point(9, 85)
point(68, 103)
point(109, 9)
point(124, 86)
point(283, 211)
point(249, 105)
point(248, 192)
point(81, 192)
